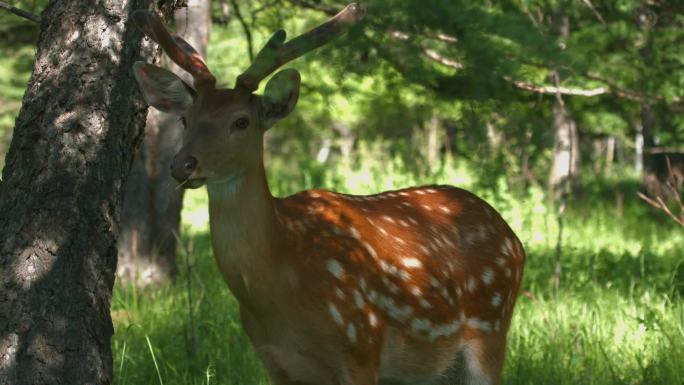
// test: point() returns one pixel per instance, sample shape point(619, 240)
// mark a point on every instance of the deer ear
point(280, 95)
point(162, 89)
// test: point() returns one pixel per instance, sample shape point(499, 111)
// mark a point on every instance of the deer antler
point(275, 53)
point(179, 50)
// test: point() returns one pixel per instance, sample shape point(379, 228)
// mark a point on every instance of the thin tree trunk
point(564, 178)
point(649, 171)
point(150, 217)
point(566, 153)
point(433, 143)
point(73, 144)
point(610, 154)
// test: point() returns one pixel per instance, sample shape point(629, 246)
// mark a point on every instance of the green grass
point(618, 318)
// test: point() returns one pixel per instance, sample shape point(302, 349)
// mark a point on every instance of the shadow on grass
point(213, 350)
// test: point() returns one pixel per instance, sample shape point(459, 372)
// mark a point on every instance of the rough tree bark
point(73, 144)
point(150, 216)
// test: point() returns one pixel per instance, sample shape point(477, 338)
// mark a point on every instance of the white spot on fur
point(471, 285)
point(444, 330)
point(496, 300)
point(372, 319)
point(445, 293)
point(351, 332)
point(476, 323)
point(336, 315)
point(335, 268)
point(370, 250)
point(412, 263)
point(415, 290)
point(487, 276)
point(420, 325)
point(358, 300)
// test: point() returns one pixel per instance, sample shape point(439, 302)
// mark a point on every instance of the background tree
point(150, 215)
point(71, 150)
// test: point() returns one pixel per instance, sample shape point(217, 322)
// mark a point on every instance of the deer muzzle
point(183, 166)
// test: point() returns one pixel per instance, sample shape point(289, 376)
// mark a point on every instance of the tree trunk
point(73, 144)
point(565, 168)
point(433, 143)
point(150, 216)
point(566, 153)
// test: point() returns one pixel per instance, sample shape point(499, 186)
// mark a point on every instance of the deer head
point(224, 127)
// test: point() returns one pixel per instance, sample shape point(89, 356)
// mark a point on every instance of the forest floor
point(618, 317)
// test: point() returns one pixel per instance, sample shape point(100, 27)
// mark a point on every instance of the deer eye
point(241, 124)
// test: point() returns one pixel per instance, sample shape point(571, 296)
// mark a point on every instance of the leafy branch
point(20, 12)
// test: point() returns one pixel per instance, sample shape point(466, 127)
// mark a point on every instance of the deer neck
point(244, 230)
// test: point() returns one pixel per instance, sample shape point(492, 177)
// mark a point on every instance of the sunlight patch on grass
point(195, 215)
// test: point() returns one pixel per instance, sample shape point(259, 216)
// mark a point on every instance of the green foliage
point(17, 48)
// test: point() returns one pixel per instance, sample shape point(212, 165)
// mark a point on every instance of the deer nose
point(182, 166)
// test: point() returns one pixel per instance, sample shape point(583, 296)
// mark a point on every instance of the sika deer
point(337, 289)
